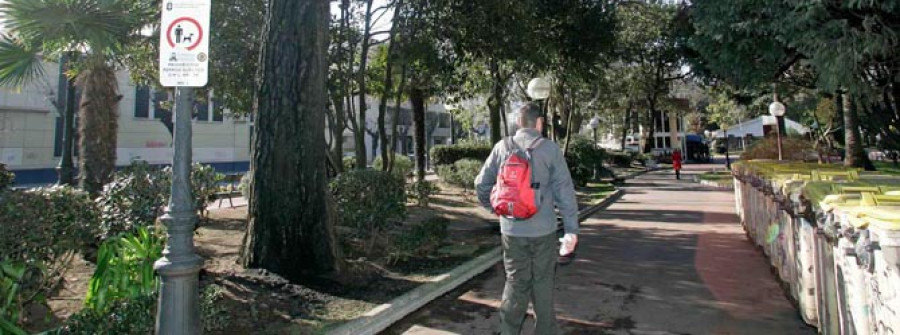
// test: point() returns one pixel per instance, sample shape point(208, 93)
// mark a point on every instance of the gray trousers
point(530, 264)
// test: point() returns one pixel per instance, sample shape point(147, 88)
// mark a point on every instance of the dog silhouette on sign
point(188, 38)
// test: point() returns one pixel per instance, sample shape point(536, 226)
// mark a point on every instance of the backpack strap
point(537, 142)
point(511, 144)
point(534, 144)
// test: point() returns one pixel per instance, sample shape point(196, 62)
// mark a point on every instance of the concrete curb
point(610, 198)
point(638, 173)
point(385, 315)
point(382, 317)
point(713, 184)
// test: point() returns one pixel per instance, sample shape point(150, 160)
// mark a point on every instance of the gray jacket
point(556, 189)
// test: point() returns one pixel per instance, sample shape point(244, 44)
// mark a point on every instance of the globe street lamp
point(777, 110)
point(539, 89)
point(450, 107)
point(594, 124)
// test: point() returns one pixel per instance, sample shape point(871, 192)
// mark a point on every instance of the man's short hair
point(529, 113)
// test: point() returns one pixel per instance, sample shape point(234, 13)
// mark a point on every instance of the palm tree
point(39, 30)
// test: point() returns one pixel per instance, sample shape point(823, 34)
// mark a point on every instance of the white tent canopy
point(755, 127)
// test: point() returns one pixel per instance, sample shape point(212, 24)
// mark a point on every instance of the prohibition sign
point(185, 19)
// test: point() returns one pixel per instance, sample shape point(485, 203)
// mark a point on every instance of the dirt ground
point(256, 301)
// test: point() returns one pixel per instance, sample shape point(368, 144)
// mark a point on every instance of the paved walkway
point(670, 257)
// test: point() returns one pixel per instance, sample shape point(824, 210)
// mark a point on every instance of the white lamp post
point(539, 89)
point(594, 124)
point(777, 110)
point(450, 107)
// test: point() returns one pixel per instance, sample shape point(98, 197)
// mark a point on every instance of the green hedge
point(42, 230)
point(461, 174)
point(619, 159)
point(584, 159)
point(403, 166)
point(41, 225)
point(370, 202)
point(139, 193)
point(449, 154)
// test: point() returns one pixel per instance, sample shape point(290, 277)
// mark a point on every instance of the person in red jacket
point(676, 163)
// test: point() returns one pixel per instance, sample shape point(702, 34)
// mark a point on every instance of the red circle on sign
point(188, 19)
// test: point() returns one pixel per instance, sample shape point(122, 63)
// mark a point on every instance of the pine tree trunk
point(417, 99)
point(98, 127)
point(495, 101)
point(291, 217)
point(855, 155)
point(361, 160)
point(337, 144)
point(395, 120)
point(651, 128)
point(388, 87)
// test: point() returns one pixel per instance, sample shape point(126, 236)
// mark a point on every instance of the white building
point(437, 128)
point(31, 130)
point(760, 126)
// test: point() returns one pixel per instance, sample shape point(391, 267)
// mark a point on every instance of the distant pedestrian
point(676, 163)
point(523, 179)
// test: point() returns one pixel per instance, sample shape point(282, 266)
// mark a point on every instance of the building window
point(666, 124)
point(201, 111)
point(444, 120)
point(218, 111)
point(160, 101)
point(142, 102)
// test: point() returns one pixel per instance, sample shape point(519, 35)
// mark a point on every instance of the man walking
point(529, 244)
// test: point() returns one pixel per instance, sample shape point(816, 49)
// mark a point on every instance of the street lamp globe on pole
point(777, 110)
point(539, 89)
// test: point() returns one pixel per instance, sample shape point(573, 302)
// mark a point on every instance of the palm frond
point(94, 25)
point(20, 62)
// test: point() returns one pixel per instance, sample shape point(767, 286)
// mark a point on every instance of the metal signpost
point(183, 64)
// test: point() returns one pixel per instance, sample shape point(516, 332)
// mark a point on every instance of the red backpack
point(513, 195)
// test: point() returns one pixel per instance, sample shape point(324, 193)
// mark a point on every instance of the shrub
point(420, 239)
point(42, 231)
point(244, 186)
point(138, 315)
point(42, 224)
point(619, 159)
point(461, 174)
point(584, 159)
point(349, 163)
point(204, 185)
point(449, 154)
point(421, 192)
point(139, 193)
point(124, 316)
point(12, 277)
point(793, 149)
point(6, 178)
point(135, 198)
point(402, 168)
point(125, 268)
point(370, 201)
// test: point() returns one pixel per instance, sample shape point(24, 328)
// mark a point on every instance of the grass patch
point(887, 167)
point(716, 176)
point(596, 192)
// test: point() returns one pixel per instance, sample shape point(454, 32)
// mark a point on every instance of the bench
point(229, 188)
